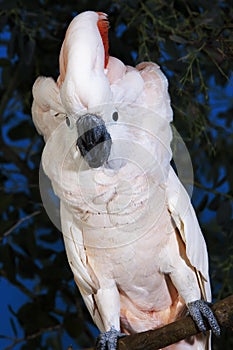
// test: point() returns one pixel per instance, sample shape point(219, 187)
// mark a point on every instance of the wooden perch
point(176, 331)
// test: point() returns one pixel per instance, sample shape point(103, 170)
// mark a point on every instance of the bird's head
point(85, 89)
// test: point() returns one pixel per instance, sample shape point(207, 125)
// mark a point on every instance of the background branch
point(18, 223)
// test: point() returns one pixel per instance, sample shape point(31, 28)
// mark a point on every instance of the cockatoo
point(131, 234)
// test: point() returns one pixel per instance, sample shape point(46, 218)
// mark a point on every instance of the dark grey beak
point(94, 141)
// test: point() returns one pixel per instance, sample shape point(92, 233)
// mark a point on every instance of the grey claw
point(108, 340)
point(200, 308)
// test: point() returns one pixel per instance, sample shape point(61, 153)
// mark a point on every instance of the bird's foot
point(108, 340)
point(199, 309)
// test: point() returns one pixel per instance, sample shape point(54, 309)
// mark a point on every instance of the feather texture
point(47, 109)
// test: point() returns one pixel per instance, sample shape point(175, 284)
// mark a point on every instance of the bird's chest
point(114, 208)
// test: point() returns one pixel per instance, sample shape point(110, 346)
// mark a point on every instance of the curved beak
point(94, 141)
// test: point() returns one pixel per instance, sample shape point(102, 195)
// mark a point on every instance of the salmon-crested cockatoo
point(131, 234)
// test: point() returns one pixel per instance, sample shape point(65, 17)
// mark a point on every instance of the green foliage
point(192, 42)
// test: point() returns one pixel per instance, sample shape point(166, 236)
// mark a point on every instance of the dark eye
point(68, 122)
point(115, 116)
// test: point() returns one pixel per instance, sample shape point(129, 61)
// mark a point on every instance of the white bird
point(131, 234)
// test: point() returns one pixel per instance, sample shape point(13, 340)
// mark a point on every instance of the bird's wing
point(184, 216)
point(156, 97)
point(84, 276)
point(47, 109)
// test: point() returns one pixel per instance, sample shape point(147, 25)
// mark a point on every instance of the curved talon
point(108, 340)
point(199, 309)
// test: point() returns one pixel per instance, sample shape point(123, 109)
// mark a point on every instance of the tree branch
point(31, 336)
point(18, 223)
point(176, 331)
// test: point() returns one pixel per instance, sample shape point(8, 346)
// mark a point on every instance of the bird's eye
point(115, 116)
point(69, 122)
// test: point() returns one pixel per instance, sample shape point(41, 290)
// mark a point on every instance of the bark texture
point(176, 331)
